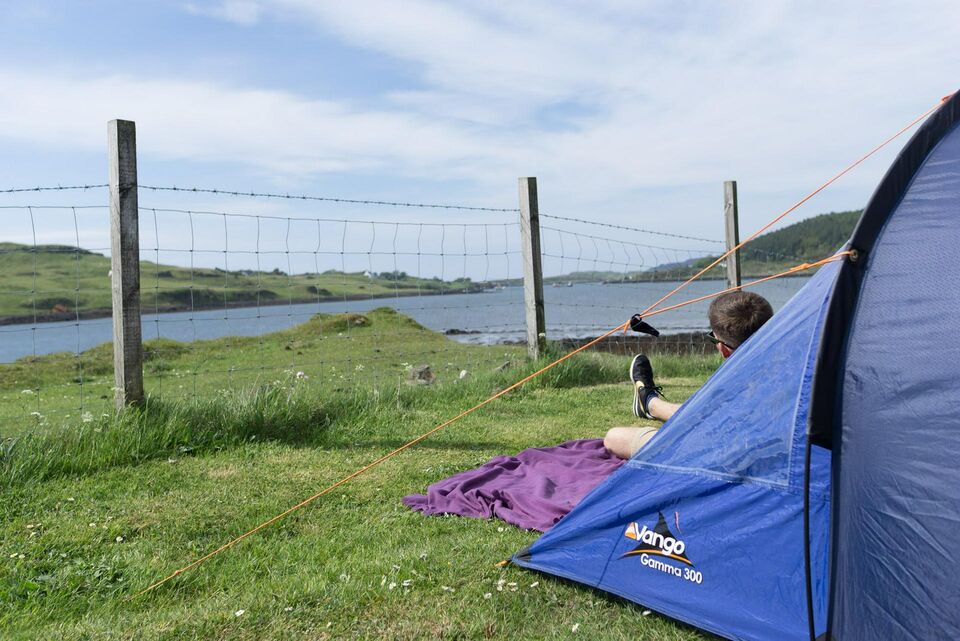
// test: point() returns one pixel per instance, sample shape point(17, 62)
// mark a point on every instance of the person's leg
point(624, 442)
point(661, 409)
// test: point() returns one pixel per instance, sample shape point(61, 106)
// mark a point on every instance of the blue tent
point(811, 489)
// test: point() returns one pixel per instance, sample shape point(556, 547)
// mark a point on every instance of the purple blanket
point(532, 490)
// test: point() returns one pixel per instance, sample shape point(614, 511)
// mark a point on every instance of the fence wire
point(331, 296)
point(56, 279)
point(232, 300)
point(329, 199)
point(331, 301)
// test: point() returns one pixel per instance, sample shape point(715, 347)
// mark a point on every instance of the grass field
point(93, 512)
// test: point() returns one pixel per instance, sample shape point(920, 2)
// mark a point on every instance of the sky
point(628, 113)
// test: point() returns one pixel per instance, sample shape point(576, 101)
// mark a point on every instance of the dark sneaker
point(641, 373)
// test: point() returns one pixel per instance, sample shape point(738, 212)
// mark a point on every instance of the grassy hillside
point(806, 241)
point(810, 239)
point(773, 252)
point(53, 281)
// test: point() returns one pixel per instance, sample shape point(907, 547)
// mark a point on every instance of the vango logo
point(667, 544)
point(658, 541)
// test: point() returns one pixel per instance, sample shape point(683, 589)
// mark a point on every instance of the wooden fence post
point(125, 263)
point(732, 225)
point(532, 272)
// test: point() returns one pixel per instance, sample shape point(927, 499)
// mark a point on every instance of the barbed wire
point(616, 240)
point(255, 194)
point(635, 229)
point(352, 201)
point(52, 188)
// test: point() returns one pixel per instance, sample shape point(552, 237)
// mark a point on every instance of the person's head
point(734, 317)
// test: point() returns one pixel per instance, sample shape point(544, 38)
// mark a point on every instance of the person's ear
point(725, 351)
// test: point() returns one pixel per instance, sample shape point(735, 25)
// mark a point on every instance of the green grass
point(339, 352)
point(61, 279)
point(103, 509)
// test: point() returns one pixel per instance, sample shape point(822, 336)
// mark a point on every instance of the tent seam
point(726, 478)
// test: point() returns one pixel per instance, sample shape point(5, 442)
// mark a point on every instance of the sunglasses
point(716, 341)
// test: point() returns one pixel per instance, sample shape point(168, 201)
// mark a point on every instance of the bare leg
point(624, 442)
point(661, 409)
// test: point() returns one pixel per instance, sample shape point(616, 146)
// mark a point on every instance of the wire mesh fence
point(332, 301)
point(234, 299)
point(56, 281)
point(332, 293)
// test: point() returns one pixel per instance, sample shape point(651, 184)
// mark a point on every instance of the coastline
point(102, 312)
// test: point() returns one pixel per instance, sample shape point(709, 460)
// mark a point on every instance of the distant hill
point(55, 282)
point(806, 241)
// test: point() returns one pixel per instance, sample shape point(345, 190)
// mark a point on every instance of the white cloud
point(668, 95)
point(188, 120)
point(677, 93)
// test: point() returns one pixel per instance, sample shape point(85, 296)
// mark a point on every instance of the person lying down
point(733, 318)
point(535, 488)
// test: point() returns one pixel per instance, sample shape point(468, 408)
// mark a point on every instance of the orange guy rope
point(792, 270)
point(647, 312)
point(796, 205)
point(385, 457)
point(409, 444)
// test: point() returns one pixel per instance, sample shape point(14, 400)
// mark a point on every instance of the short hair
point(735, 316)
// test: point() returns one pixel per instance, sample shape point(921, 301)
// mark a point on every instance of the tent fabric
point(842, 414)
point(897, 560)
point(827, 387)
point(705, 523)
point(532, 490)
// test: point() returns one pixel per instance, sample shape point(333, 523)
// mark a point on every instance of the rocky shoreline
point(681, 343)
